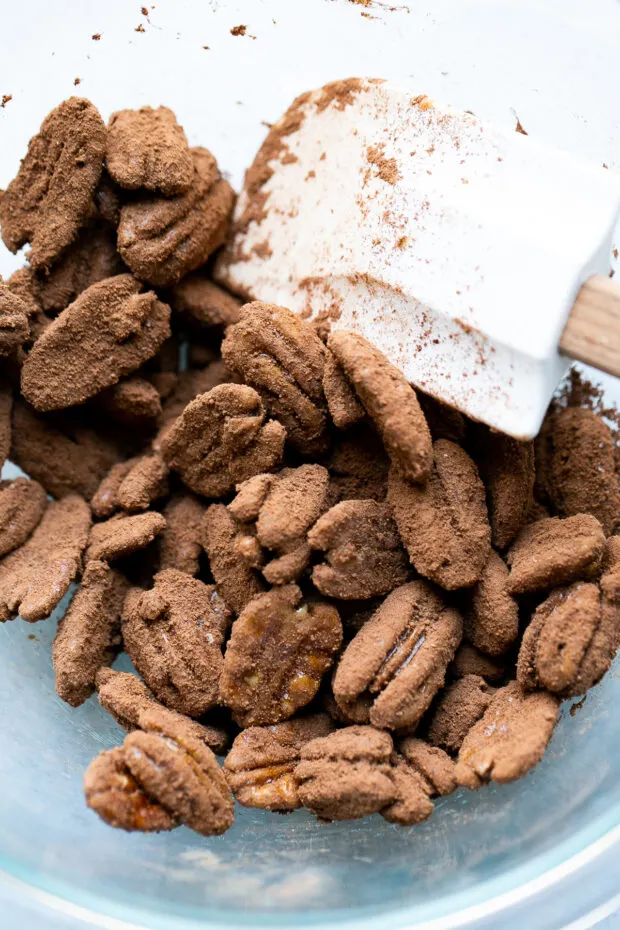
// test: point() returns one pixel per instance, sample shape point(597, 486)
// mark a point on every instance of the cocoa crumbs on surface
point(262, 486)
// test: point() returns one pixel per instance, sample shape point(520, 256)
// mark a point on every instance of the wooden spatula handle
point(592, 334)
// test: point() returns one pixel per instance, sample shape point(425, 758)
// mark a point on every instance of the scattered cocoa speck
point(323, 156)
point(241, 30)
point(519, 128)
point(206, 48)
point(140, 28)
point(605, 166)
point(96, 37)
point(34, 637)
point(144, 10)
point(311, 174)
point(77, 81)
point(387, 167)
point(289, 158)
point(402, 243)
point(5, 100)
point(615, 253)
point(262, 249)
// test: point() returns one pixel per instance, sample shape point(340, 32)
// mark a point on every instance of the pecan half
point(347, 774)
point(221, 438)
point(121, 535)
point(174, 635)
point(390, 401)
point(492, 618)
point(576, 468)
point(507, 469)
point(392, 669)
point(64, 455)
point(108, 332)
point(280, 509)
point(126, 698)
point(343, 405)
point(35, 577)
point(554, 552)
point(133, 402)
point(236, 581)
point(419, 772)
point(51, 196)
point(147, 148)
point(89, 634)
point(91, 258)
point(146, 482)
point(162, 238)
point(571, 640)
point(200, 301)
point(509, 739)
point(457, 710)
point(282, 357)
point(22, 504)
point(14, 325)
point(279, 649)
point(444, 523)
point(175, 768)
point(115, 795)
point(261, 763)
point(364, 555)
point(180, 542)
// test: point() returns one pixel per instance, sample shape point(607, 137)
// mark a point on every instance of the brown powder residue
point(140, 28)
point(5, 99)
point(289, 159)
point(387, 168)
point(262, 249)
point(340, 93)
point(96, 37)
point(311, 174)
point(238, 30)
point(314, 285)
point(519, 128)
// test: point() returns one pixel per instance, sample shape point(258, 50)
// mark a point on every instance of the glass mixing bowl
point(543, 852)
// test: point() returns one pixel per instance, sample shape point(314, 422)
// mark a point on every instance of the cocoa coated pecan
point(509, 739)
point(145, 483)
point(35, 577)
point(444, 523)
point(147, 148)
point(554, 552)
point(126, 698)
point(174, 635)
point(121, 535)
point(178, 770)
point(419, 772)
point(200, 301)
point(457, 710)
point(282, 357)
point(260, 765)
point(390, 401)
point(392, 669)
point(576, 468)
point(236, 581)
point(507, 469)
point(492, 619)
point(572, 639)
point(89, 634)
point(22, 504)
point(364, 555)
point(63, 454)
point(163, 238)
point(221, 438)
point(344, 407)
point(91, 258)
point(347, 774)
point(133, 402)
point(280, 509)
point(51, 196)
point(114, 794)
point(180, 542)
point(14, 325)
point(108, 332)
point(278, 651)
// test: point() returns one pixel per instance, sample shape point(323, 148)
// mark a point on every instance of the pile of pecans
point(359, 596)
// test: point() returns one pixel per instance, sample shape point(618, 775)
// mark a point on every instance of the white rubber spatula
point(475, 258)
